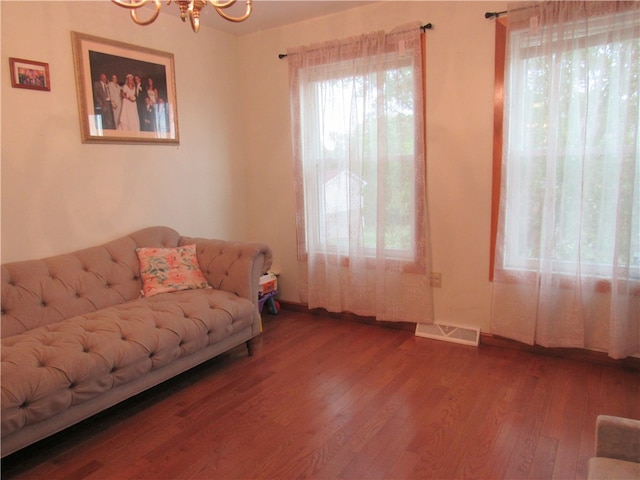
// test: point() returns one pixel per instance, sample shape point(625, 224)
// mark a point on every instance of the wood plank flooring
point(325, 398)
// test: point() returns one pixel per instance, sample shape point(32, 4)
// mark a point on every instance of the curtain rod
point(497, 14)
point(427, 26)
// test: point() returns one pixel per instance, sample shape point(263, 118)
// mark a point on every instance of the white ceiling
point(267, 13)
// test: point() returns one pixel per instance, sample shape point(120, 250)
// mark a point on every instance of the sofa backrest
point(40, 292)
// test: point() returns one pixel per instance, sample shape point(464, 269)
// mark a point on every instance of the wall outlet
point(436, 279)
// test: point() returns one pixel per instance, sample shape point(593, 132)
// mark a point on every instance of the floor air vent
point(449, 333)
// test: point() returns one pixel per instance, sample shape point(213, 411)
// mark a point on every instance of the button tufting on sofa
point(133, 342)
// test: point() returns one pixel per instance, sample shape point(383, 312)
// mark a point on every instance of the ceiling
point(267, 13)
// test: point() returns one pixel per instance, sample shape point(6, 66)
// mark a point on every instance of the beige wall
point(231, 176)
point(59, 194)
point(459, 140)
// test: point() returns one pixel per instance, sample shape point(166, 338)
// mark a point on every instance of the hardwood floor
point(329, 398)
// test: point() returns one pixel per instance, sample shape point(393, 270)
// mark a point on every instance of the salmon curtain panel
point(357, 113)
point(567, 270)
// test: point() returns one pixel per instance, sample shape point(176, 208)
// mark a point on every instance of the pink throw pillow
point(169, 270)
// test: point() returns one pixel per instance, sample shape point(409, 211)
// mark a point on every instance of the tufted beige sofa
point(78, 338)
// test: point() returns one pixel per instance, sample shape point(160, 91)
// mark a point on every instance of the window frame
point(407, 261)
point(498, 119)
point(530, 276)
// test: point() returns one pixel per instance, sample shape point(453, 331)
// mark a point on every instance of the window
point(570, 175)
point(359, 116)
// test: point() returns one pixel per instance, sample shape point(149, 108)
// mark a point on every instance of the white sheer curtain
point(359, 173)
point(567, 268)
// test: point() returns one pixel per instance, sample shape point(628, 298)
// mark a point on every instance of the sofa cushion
point(166, 270)
point(50, 368)
point(602, 468)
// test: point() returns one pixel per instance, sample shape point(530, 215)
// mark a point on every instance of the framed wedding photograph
point(126, 93)
point(29, 74)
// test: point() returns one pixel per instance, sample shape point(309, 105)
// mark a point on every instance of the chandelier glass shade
point(188, 8)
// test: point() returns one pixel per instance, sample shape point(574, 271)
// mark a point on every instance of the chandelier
point(188, 8)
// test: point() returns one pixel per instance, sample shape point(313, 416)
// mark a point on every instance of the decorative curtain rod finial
point(493, 14)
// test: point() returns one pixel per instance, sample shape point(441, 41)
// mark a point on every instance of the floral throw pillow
point(169, 269)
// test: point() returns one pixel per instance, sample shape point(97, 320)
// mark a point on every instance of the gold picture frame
point(144, 80)
point(29, 74)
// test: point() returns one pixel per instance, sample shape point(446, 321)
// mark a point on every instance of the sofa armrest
point(618, 438)
point(232, 266)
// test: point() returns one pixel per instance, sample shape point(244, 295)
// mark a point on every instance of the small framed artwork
point(29, 74)
point(126, 93)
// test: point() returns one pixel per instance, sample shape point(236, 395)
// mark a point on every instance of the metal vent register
point(449, 333)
